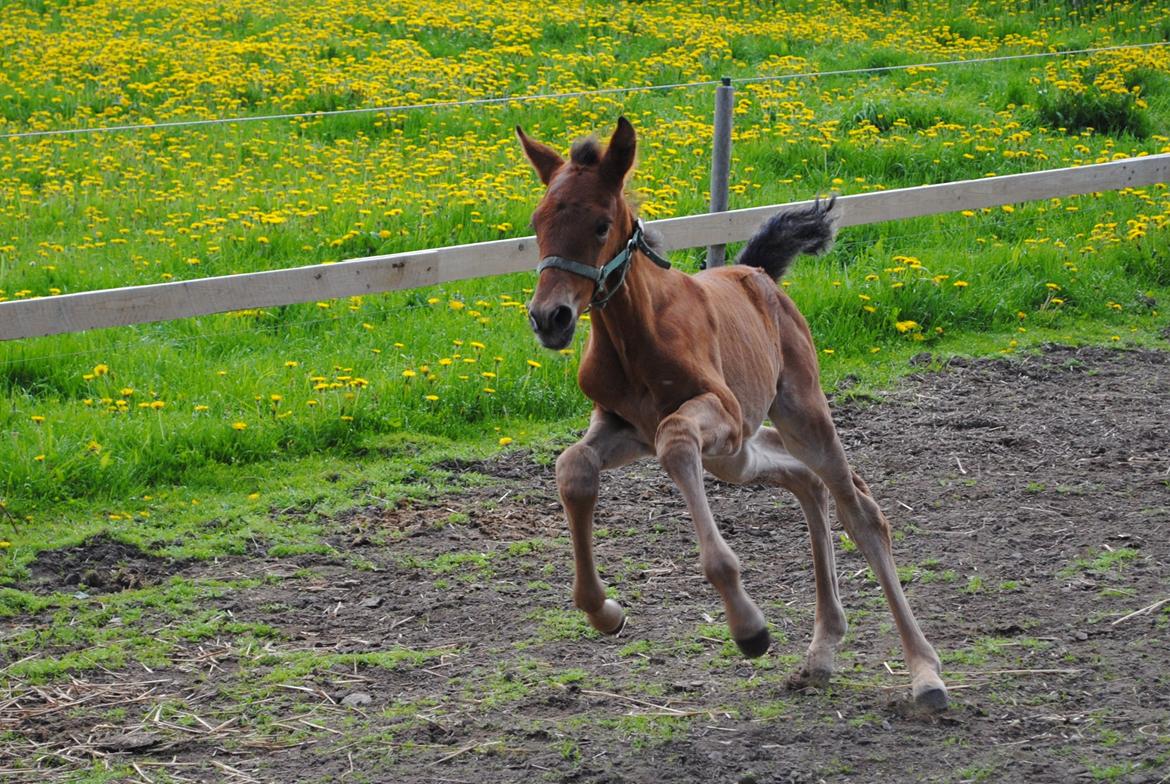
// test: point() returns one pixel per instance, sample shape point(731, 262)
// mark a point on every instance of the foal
point(686, 369)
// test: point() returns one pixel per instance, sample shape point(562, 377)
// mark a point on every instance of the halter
point(619, 263)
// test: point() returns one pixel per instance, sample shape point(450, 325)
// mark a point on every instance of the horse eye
point(603, 230)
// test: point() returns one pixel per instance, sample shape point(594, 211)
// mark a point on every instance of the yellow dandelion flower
point(505, 440)
point(239, 425)
point(431, 398)
point(960, 284)
point(37, 418)
point(408, 373)
point(157, 404)
point(905, 326)
point(533, 363)
point(292, 363)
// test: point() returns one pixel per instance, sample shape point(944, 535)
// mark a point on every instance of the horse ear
point(619, 155)
point(544, 159)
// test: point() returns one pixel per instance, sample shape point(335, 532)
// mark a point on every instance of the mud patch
point(1029, 500)
point(100, 564)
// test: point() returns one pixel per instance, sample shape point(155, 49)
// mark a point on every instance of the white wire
point(576, 94)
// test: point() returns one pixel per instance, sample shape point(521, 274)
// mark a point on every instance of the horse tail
point(787, 234)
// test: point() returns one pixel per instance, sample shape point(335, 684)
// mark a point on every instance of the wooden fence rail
point(375, 274)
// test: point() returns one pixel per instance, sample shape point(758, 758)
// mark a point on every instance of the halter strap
point(599, 275)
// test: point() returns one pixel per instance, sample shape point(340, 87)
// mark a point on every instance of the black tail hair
point(787, 234)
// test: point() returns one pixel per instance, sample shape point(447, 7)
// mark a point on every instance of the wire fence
point(938, 233)
point(605, 91)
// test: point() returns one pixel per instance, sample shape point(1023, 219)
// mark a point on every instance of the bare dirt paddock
point(1031, 503)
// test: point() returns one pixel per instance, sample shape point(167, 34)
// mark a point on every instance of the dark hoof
point(808, 679)
point(933, 700)
point(756, 645)
point(610, 619)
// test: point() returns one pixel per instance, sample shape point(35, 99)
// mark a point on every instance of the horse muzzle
point(554, 326)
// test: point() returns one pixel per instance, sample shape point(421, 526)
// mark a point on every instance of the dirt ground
point(1030, 498)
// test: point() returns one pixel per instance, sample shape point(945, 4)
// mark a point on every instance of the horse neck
point(625, 317)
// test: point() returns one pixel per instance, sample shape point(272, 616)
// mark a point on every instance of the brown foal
point(686, 369)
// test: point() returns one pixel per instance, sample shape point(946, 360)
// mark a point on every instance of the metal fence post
point(721, 161)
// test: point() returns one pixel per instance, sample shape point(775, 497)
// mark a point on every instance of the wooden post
point(721, 162)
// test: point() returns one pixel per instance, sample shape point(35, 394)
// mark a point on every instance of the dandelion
point(431, 398)
point(310, 403)
point(101, 369)
point(37, 418)
point(905, 326)
point(456, 305)
point(505, 440)
point(408, 373)
point(488, 391)
point(157, 405)
point(276, 398)
point(94, 447)
point(239, 425)
point(39, 458)
point(292, 363)
point(532, 363)
point(960, 284)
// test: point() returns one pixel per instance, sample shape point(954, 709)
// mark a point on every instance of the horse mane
point(586, 151)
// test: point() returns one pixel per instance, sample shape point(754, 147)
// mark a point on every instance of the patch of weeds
point(14, 602)
point(974, 584)
point(974, 773)
point(538, 585)
point(847, 544)
point(526, 547)
point(294, 665)
point(1108, 562)
point(989, 648)
point(645, 731)
point(1110, 772)
point(468, 566)
point(1035, 487)
point(553, 624)
point(637, 648)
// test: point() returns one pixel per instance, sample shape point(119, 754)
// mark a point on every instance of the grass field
point(159, 428)
point(217, 528)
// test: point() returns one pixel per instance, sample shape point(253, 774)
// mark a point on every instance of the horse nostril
point(562, 317)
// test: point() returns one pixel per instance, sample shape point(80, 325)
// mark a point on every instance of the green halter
point(599, 275)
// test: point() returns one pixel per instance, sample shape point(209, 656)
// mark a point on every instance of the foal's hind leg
point(608, 443)
point(703, 427)
point(764, 459)
point(803, 420)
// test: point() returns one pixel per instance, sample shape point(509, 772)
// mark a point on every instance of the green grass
point(331, 398)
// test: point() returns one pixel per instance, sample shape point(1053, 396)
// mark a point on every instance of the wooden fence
point(375, 274)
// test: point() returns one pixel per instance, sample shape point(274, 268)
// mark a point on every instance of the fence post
point(721, 162)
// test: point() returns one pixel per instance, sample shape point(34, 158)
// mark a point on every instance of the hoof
point(610, 619)
point(756, 645)
point(804, 678)
point(932, 698)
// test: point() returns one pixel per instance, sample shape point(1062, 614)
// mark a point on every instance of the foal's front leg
point(610, 442)
point(703, 427)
